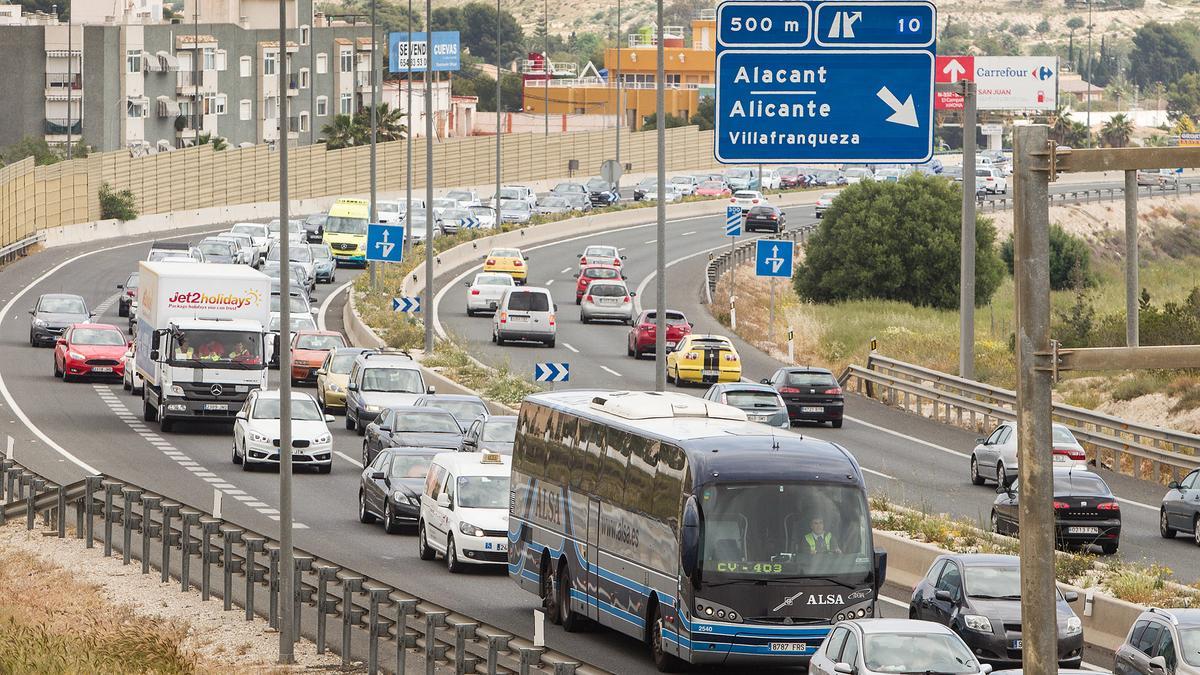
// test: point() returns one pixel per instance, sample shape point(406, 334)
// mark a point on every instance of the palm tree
point(388, 124)
point(1117, 131)
point(218, 142)
point(1060, 126)
point(342, 132)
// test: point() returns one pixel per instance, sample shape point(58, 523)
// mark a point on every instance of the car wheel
point(670, 377)
point(1164, 530)
point(66, 377)
point(584, 318)
point(470, 312)
point(364, 516)
point(57, 372)
point(664, 662)
point(165, 425)
point(629, 350)
point(424, 552)
point(571, 622)
point(149, 414)
point(453, 566)
point(1001, 473)
point(1109, 547)
point(678, 380)
point(237, 459)
point(325, 468)
point(1196, 530)
point(122, 310)
point(997, 527)
point(359, 427)
point(976, 479)
point(836, 424)
point(390, 524)
point(550, 343)
point(349, 421)
point(247, 465)
point(578, 300)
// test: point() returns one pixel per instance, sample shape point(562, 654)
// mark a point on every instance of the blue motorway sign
point(815, 81)
point(385, 243)
point(405, 55)
point(773, 258)
point(733, 221)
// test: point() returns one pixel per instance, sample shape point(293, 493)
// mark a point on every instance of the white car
point(747, 199)
point(258, 233)
point(685, 185)
point(299, 322)
point(440, 205)
point(464, 509)
point(824, 202)
point(483, 294)
point(772, 179)
point(131, 382)
point(522, 193)
point(857, 174)
point(256, 432)
point(465, 198)
point(870, 646)
point(670, 193)
point(486, 216)
point(1158, 177)
point(601, 255)
point(249, 251)
point(995, 457)
point(990, 180)
point(389, 211)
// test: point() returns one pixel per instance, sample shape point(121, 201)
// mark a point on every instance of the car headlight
point(1074, 626)
point(257, 437)
point(470, 530)
point(334, 388)
point(322, 439)
point(175, 390)
point(402, 496)
point(77, 356)
point(977, 623)
point(38, 322)
point(373, 408)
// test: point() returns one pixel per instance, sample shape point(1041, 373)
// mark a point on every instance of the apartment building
point(123, 77)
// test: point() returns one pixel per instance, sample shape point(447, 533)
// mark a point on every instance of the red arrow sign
point(952, 69)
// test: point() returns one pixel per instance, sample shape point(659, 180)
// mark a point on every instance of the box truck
point(202, 343)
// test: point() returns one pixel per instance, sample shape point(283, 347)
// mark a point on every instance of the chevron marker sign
point(406, 305)
point(551, 372)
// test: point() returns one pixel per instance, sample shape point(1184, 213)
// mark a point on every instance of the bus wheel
point(549, 596)
point(666, 663)
point(571, 622)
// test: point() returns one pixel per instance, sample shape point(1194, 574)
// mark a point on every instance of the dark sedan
point(127, 295)
point(412, 427)
point(760, 402)
point(811, 394)
point(314, 227)
point(1085, 511)
point(1180, 511)
point(53, 314)
point(978, 596)
point(464, 407)
point(601, 192)
point(765, 217)
point(390, 487)
point(491, 434)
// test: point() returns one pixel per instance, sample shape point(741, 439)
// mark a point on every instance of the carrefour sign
point(1001, 82)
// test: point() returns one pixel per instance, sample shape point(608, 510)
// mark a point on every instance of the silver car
point(760, 402)
point(515, 211)
point(1161, 641)
point(995, 457)
point(553, 205)
point(606, 300)
point(483, 294)
point(867, 646)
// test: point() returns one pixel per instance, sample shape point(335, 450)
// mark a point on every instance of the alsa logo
point(813, 599)
point(225, 300)
point(546, 506)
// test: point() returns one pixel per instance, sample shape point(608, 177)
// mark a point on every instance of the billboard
point(1001, 82)
point(405, 55)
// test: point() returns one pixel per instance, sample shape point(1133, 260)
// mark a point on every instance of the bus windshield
point(345, 225)
point(769, 530)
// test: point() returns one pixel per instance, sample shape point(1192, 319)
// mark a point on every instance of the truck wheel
point(165, 425)
point(149, 414)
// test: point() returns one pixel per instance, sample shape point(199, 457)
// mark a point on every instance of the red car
point(645, 327)
point(90, 349)
point(591, 273)
point(309, 349)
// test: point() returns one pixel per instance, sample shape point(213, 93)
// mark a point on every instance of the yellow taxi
point(510, 261)
point(704, 359)
point(333, 376)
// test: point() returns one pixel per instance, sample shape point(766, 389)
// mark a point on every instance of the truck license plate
point(789, 646)
point(216, 406)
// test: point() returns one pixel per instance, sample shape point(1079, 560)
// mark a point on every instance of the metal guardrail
point(375, 618)
point(1150, 453)
point(719, 264)
point(1106, 194)
point(18, 247)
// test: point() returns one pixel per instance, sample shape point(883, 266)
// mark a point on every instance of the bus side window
point(668, 485)
point(588, 449)
point(535, 424)
point(612, 472)
point(559, 450)
point(639, 479)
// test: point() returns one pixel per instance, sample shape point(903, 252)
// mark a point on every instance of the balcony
point(186, 80)
point(648, 37)
point(293, 85)
point(58, 127)
point(58, 85)
point(362, 82)
point(536, 67)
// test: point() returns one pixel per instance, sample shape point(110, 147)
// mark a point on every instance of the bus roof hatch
point(645, 405)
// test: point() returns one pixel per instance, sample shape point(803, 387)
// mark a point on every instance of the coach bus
point(678, 522)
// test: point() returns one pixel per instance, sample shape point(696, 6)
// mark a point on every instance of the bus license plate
point(216, 406)
point(789, 646)
point(102, 369)
point(1083, 530)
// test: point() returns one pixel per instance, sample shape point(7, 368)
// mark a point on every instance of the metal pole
point(499, 42)
point(1032, 275)
point(408, 131)
point(1131, 259)
point(732, 270)
point(660, 281)
point(620, 106)
point(966, 278)
point(70, 74)
point(286, 632)
point(196, 74)
point(374, 129)
point(427, 301)
point(546, 66)
point(1089, 77)
point(771, 315)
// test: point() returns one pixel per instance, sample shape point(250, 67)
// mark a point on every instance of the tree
point(477, 28)
point(896, 241)
point(1183, 125)
point(342, 132)
point(1019, 29)
point(1070, 259)
point(390, 15)
point(1163, 53)
point(472, 82)
point(117, 204)
point(705, 112)
point(1042, 27)
point(29, 146)
point(389, 124)
point(1183, 97)
point(1117, 131)
point(446, 18)
point(650, 122)
point(1119, 89)
point(1075, 23)
point(218, 142)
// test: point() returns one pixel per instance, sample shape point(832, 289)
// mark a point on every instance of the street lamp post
point(286, 556)
point(408, 129)
point(430, 223)
point(620, 108)
point(499, 43)
point(660, 313)
point(374, 130)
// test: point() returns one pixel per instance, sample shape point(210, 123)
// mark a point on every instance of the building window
point(672, 78)
point(135, 109)
point(347, 60)
point(133, 61)
point(210, 58)
point(304, 35)
point(346, 104)
point(221, 59)
point(270, 107)
point(246, 66)
point(322, 106)
point(217, 105)
point(322, 64)
point(269, 61)
point(303, 122)
point(304, 78)
point(245, 110)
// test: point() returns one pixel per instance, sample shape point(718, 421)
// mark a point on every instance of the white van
point(464, 509)
point(525, 313)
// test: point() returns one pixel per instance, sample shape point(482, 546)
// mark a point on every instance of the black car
point(1085, 511)
point(645, 186)
point(390, 487)
point(219, 251)
point(412, 427)
point(128, 294)
point(314, 227)
point(978, 596)
point(53, 314)
point(765, 217)
point(464, 407)
point(1180, 511)
point(811, 394)
point(491, 434)
point(601, 192)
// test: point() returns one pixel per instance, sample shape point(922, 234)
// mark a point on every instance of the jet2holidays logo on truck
point(201, 300)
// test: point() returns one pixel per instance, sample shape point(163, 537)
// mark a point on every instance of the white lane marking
point(297, 526)
point(245, 498)
point(568, 346)
point(328, 299)
point(348, 458)
point(650, 242)
point(564, 270)
point(549, 282)
point(894, 602)
point(877, 473)
point(620, 248)
point(637, 302)
point(610, 371)
point(256, 504)
point(214, 479)
point(268, 510)
point(685, 234)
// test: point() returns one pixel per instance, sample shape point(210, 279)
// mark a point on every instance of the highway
point(64, 431)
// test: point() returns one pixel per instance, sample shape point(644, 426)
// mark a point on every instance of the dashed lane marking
point(348, 458)
point(688, 233)
point(610, 371)
point(565, 270)
point(568, 346)
point(551, 281)
point(650, 242)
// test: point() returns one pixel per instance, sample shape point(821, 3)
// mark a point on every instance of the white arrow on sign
point(902, 113)
point(386, 245)
point(954, 69)
point(775, 261)
point(843, 24)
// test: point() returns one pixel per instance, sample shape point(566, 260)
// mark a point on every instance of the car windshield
point(216, 248)
point(803, 379)
point(1079, 484)
point(295, 303)
point(505, 253)
point(444, 203)
point(607, 290)
point(746, 195)
point(298, 323)
point(738, 173)
point(682, 180)
point(387, 207)
point(303, 410)
point(97, 336)
point(917, 653)
point(218, 347)
point(483, 211)
point(760, 530)
point(493, 280)
point(752, 399)
point(273, 226)
point(762, 210)
point(514, 205)
point(455, 214)
point(711, 343)
point(132, 281)
point(524, 301)
point(598, 184)
point(62, 306)
point(295, 254)
point(250, 230)
point(482, 492)
point(648, 183)
point(568, 187)
point(1063, 435)
point(459, 196)
point(410, 466)
point(601, 273)
point(829, 196)
point(320, 252)
point(673, 318)
point(342, 363)
point(554, 202)
point(600, 251)
point(394, 380)
point(426, 423)
point(345, 225)
point(1189, 645)
point(992, 582)
point(500, 430)
point(463, 410)
point(509, 193)
point(320, 342)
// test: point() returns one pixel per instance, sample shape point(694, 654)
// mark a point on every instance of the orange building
point(689, 74)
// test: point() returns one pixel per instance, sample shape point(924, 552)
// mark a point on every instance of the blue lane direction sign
point(874, 24)
point(407, 305)
point(733, 221)
point(552, 372)
point(385, 243)
point(773, 258)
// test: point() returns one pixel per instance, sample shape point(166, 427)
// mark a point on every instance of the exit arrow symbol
point(902, 113)
point(954, 69)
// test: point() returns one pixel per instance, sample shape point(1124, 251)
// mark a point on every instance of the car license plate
point(1015, 644)
point(812, 409)
point(519, 319)
point(1083, 530)
point(216, 406)
point(501, 547)
point(710, 373)
point(758, 418)
point(789, 646)
point(102, 369)
point(670, 344)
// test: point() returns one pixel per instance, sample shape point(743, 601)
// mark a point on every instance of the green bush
point(118, 204)
point(1069, 255)
point(896, 241)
